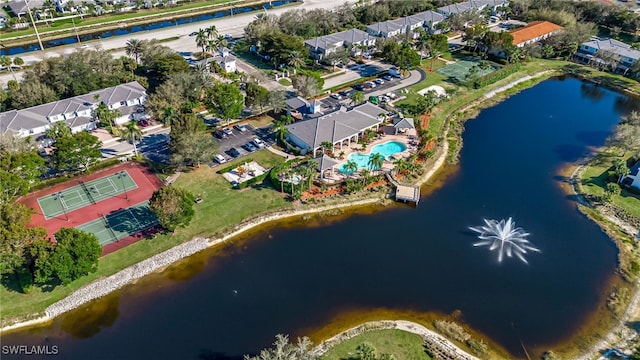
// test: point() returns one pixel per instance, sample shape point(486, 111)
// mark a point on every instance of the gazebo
point(403, 124)
point(325, 163)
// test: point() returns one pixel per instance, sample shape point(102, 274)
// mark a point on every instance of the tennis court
point(458, 71)
point(122, 223)
point(84, 194)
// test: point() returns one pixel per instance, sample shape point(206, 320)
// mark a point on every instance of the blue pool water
point(387, 149)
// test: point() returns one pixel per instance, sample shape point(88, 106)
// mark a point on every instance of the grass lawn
point(112, 17)
point(433, 78)
point(401, 344)
point(222, 207)
point(593, 182)
point(284, 82)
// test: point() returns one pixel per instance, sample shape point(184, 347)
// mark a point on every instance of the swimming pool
point(386, 149)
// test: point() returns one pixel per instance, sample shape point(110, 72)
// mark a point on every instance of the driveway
point(355, 71)
point(238, 139)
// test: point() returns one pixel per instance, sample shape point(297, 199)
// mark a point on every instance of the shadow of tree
point(208, 354)
point(96, 316)
point(10, 282)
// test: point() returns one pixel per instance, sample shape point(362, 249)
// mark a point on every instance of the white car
point(259, 143)
point(336, 96)
point(219, 159)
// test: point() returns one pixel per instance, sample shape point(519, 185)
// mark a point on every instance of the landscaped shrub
point(452, 330)
point(478, 346)
point(254, 180)
point(25, 279)
point(493, 77)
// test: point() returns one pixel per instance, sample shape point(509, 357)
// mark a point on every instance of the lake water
point(296, 277)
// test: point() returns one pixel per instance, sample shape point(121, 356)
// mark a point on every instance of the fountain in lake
point(504, 237)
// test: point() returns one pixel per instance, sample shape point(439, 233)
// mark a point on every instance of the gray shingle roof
point(336, 126)
point(325, 162)
point(348, 37)
point(20, 7)
point(614, 46)
point(403, 123)
point(296, 103)
point(17, 121)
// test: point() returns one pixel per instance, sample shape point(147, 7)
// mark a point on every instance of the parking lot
point(238, 139)
point(345, 98)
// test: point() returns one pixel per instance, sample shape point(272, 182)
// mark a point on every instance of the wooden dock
point(405, 192)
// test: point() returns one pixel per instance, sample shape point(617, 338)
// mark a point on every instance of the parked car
point(143, 123)
point(258, 143)
point(219, 159)
point(367, 55)
point(378, 81)
point(336, 96)
point(345, 93)
point(250, 147)
point(240, 127)
point(387, 77)
point(234, 152)
point(227, 131)
point(359, 87)
point(370, 84)
point(220, 134)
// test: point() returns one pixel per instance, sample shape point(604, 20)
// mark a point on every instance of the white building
point(75, 111)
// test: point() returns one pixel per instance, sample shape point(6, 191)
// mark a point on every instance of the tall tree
point(226, 100)
point(193, 149)
point(277, 100)
point(76, 152)
point(106, 116)
point(357, 97)
point(295, 59)
point(257, 96)
point(376, 160)
point(173, 207)
point(307, 86)
point(132, 133)
point(169, 116)
point(134, 48)
point(6, 61)
point(15, 235)
point(74, 255)
point(201, 39)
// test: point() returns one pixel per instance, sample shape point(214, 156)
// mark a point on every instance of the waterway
point(73, 39)
point(296, 276)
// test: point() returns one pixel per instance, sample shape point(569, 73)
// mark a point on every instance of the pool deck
point(337, 176)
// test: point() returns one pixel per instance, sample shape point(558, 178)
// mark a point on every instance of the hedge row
point(62, 178)
point(254, 180)
point(494, 76)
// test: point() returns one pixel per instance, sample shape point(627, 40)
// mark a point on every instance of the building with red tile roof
point(534, 32)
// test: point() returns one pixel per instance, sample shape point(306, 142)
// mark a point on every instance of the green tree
point(76, 152)
point(350, 167)
point(610, 190)
point(106, 116)
point(132, 133)
point(134, 48)
point(327, 147)
point(620, 168)
point(201, 39)
point(173, 207)
point(58, 130)
point(193, 149)
point(277, 100)
point(15, 235)
point(256, 95)
point(366, 351)
point(376, 160)
point(226, 100)
point(280, 46)
point(18, 61)
point(32, 93)
point(12, 185)
point(169, 116)
point(357, 97)
point(295, 59)
point(6, 62)
point(74, 255)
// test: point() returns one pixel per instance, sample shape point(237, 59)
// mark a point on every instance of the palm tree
point(375, 161)
point(400, 165)
point(357, 98)
point(132, 133)
point(327, 146)
point(169, 116)
point(350, 167)
point(105, 115)
point(295, 59)
point(213, 32)
point(134, 48)
point(201, 39)
point(365, 173)
point(18, 61)
point(6, 61)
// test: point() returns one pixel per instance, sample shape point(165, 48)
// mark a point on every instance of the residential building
point(75, 111)
point(472, 5)
point(226, 61)
point(324, 45)
point(534, 32)
point(339, 128)
point(600, 51)
point(408, 24)
point(19, 8)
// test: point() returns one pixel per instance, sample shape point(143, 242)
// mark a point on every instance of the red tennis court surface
point(147, 183)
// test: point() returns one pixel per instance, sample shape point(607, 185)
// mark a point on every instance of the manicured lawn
point(401, 344)
point(222, 207)
point(593, 182)
point(433, 78)
point(284, 82)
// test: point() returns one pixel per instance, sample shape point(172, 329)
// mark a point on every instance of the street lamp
point(35, 28)
point(59, 196)
point(121, 175)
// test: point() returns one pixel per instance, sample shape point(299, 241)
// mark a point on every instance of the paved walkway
point(415, 76)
